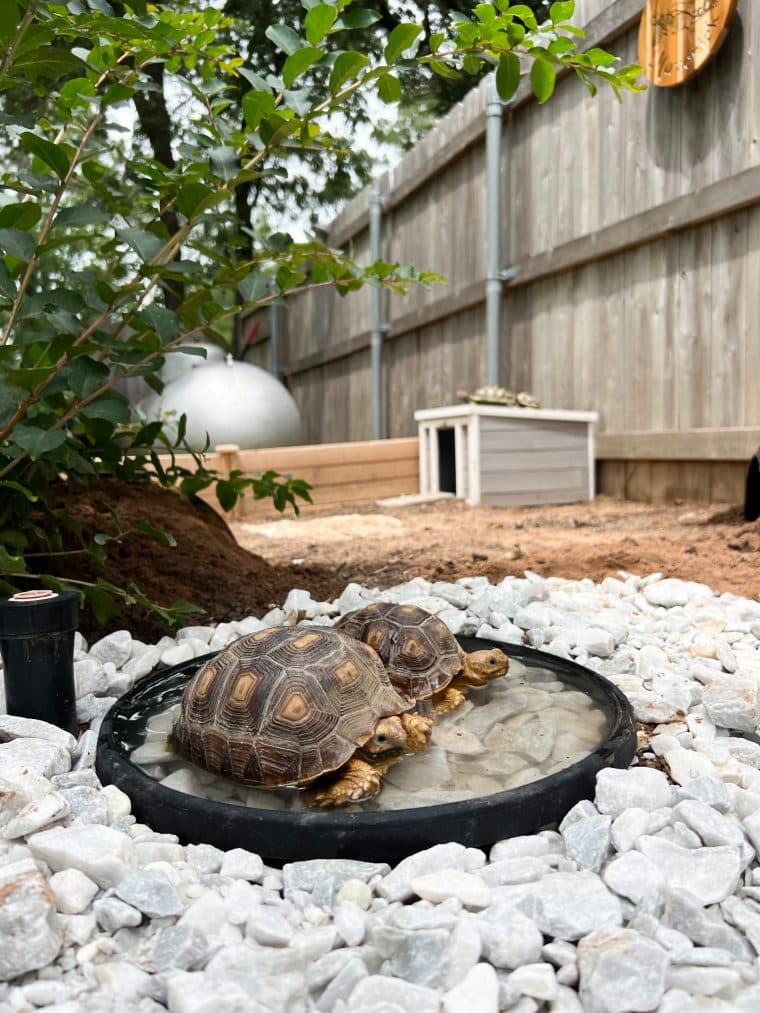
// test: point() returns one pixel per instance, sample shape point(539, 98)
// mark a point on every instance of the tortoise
point(500, 396)
point(288, 705)
point(421, 655)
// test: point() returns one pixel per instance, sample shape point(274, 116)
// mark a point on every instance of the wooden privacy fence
point(632, 237)
point(341, 474)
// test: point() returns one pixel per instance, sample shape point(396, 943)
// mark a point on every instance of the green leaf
point(115, 94)
point(253, 286)
point(389, 88)
point(561, 46)
point(38, 442)
point(358, 17)
point(11, 564)
point(7, 284)
point(562, 11)
point(401, 38)
point(11, 396)
point(300, 61)
point(485, 13)
point(164, 537)
point(256, 81)
point(191, 196)
point(442, 69)
point(85, 375)
point(162, 320)
point(347, 65)
point(28, 377)
point(103, 604)
point(17, 243)
point(145, 244)
point(112, 407)
point(46, 63)
point(226, 494)
point(183, 607)
point(600, 57)
point(79, 215)
point(526, 15)
point(154, 382)
point(20, 216)
point(79, 91)
point(16, 539)
point(18, 487)
point(284, 38)
point(224, 163)
point(318, 22)
point(543, 76)
point(472, 64)
point(8, 20)
point(257, 105)
point(53, 155)
point(507, 76)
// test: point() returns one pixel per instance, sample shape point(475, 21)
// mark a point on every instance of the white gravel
point(645, 898)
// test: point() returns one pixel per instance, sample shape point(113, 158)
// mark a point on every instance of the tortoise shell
point(284, 706)
point(420, 653)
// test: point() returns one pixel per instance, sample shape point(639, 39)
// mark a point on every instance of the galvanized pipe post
point(376, 202)
point(494, 273)
point(275, 336)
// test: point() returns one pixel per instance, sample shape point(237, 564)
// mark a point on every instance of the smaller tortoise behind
point(421, 655)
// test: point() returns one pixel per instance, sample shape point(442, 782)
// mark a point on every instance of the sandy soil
point(447, 539)
point(384, 546)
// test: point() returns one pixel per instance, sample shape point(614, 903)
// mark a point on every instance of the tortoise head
point(389, 737)
point(480, 667)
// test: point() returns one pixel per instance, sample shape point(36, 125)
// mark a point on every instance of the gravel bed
point(647, 898)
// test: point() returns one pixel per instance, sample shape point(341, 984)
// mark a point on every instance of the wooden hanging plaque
point(678, 37)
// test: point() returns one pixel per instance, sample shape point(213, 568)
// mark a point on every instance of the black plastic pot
point(752, 489)
point(37, 644)
point(372, 836)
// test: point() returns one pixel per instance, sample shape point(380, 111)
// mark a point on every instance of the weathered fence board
point(633, 230)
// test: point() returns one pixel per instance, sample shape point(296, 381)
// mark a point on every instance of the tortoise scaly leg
point(447, 700)
point(358, 781)
point(418, 729)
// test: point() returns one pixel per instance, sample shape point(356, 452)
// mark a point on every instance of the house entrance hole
point(447, 466)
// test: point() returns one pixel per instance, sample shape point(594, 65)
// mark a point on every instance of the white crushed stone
point(646, 897)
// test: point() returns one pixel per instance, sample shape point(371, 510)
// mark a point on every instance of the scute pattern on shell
point(284, 706)
point(419, 651)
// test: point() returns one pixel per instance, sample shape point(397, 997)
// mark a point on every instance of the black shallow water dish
point(371, 836)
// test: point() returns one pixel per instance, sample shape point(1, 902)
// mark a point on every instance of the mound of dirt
point(206, 566)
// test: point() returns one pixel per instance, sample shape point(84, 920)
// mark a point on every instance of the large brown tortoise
point(421, 655)
point(288, 705)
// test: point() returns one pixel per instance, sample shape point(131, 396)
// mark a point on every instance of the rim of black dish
point(282, 836)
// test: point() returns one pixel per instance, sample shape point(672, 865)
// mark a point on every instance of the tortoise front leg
point(448, 699)
point(357, 782)
point(418, 729)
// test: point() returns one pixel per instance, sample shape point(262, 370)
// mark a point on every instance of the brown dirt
point(448, 539)
point(443, 540)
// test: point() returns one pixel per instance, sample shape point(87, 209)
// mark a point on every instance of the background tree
point(317, 183)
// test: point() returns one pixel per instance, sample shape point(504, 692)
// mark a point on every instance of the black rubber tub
point(285, 836)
